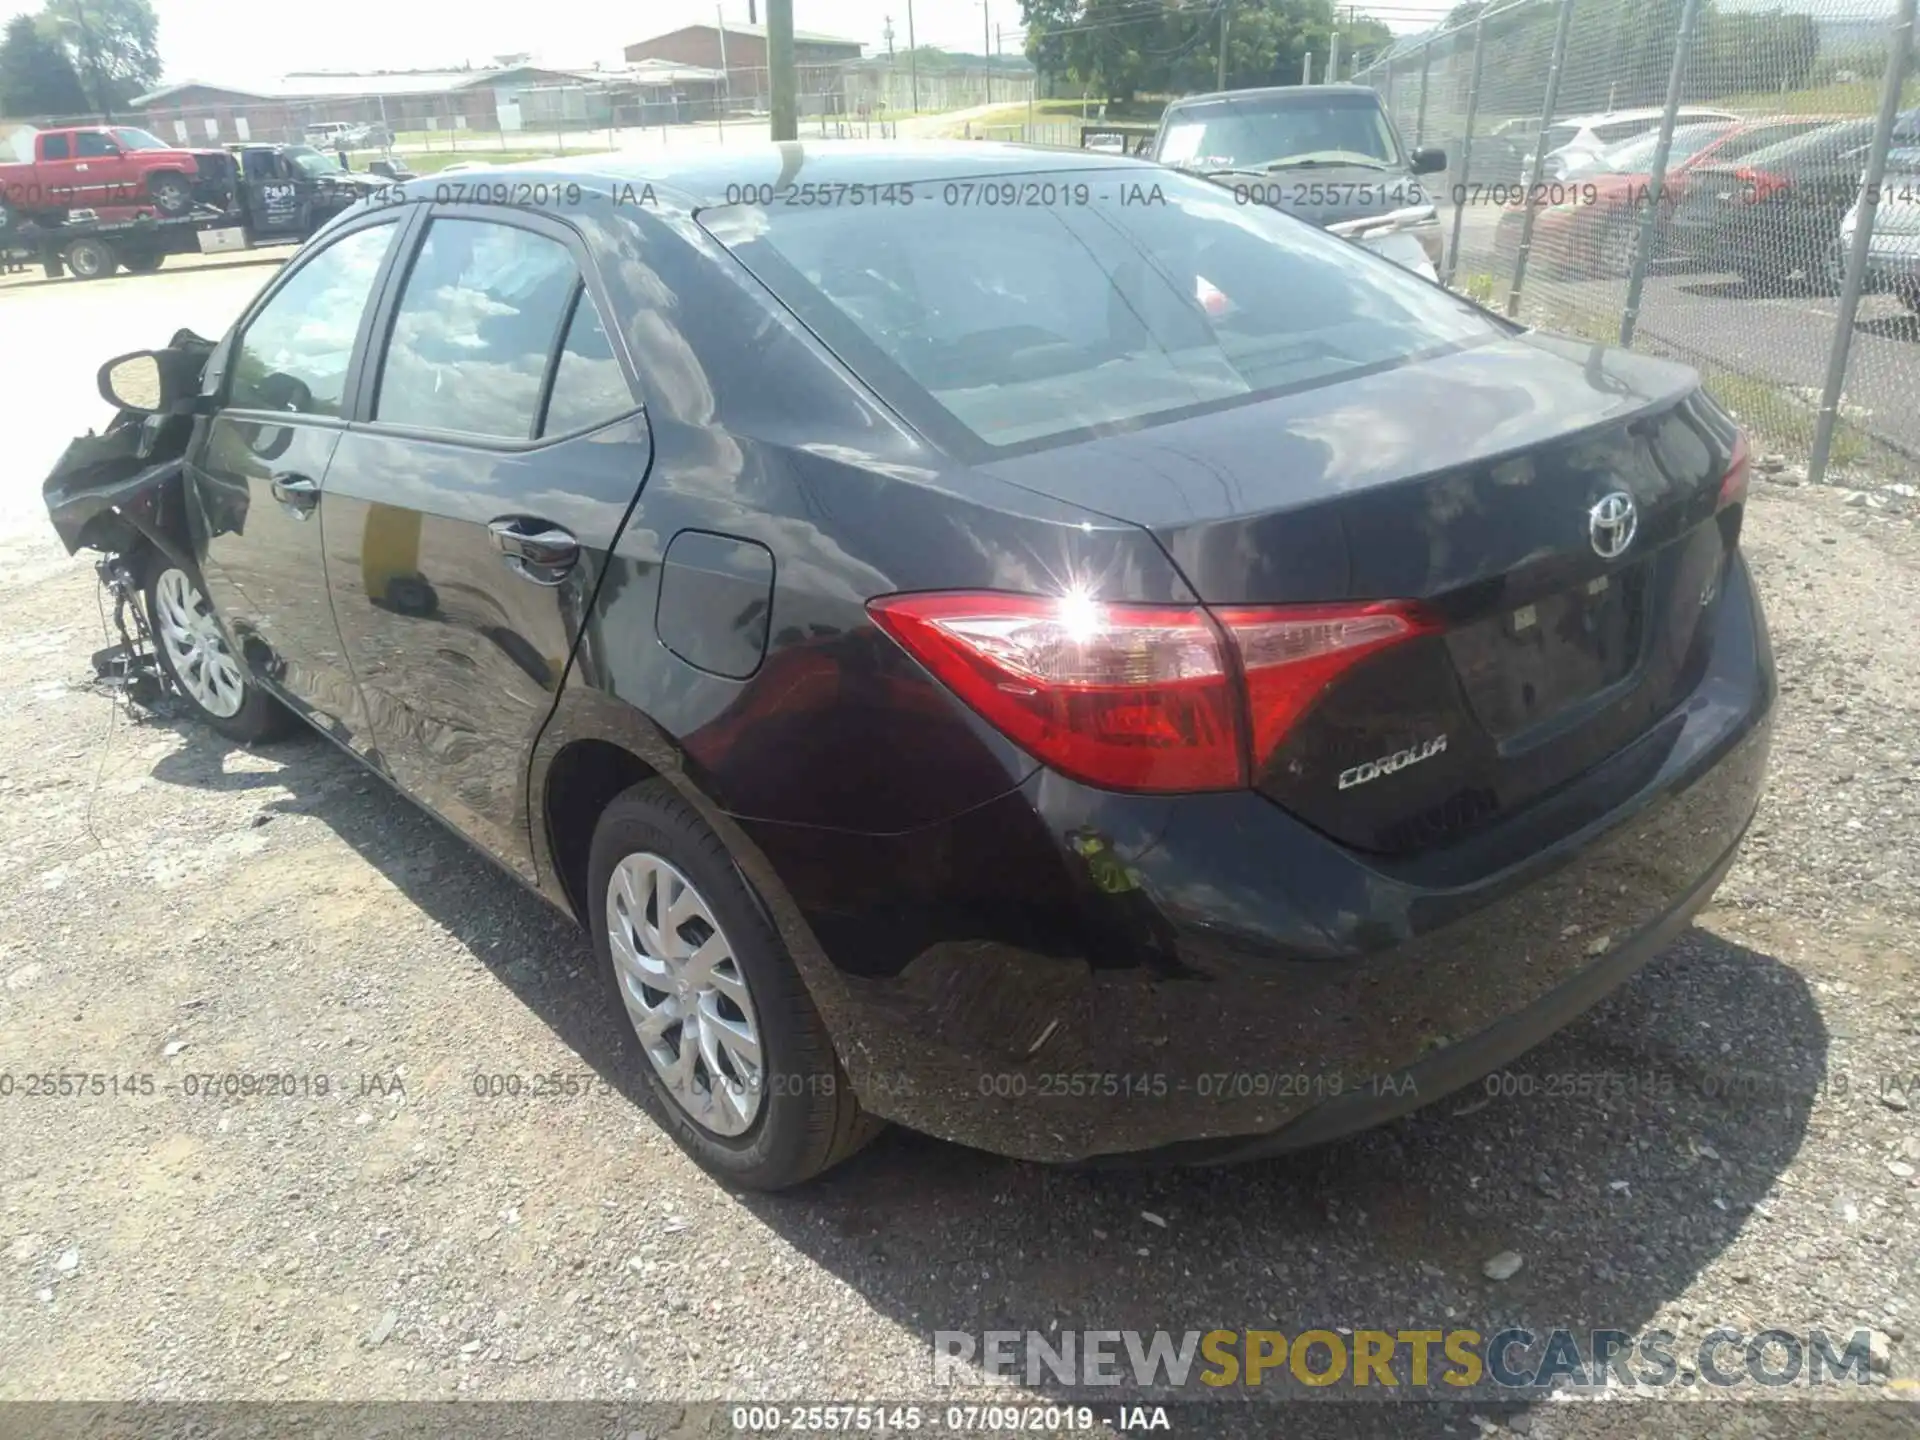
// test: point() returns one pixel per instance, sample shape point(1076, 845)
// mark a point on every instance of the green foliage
point(112, 45)
point(36, 78)
point(1122, 48)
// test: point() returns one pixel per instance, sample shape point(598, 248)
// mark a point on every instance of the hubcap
point(205, 667)
point(685, 994)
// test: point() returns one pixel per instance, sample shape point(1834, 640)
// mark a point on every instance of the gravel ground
point(172, 907)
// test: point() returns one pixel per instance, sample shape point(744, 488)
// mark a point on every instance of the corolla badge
point(1611, 524)
point(1392, 764)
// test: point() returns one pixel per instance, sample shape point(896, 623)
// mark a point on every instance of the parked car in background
point(1500, 156)
point(1577, 140)
point(1774, 216)
point(1327, 153)
point(1893, 251)
point(1589, 223)
point(1000, 670)
point(98, 167)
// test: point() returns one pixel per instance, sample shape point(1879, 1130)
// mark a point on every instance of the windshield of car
point(1635, 156)
point(1019, 325)
point(1256, 134)
point(311, 162)
point(131, 139)
point(1559, 135)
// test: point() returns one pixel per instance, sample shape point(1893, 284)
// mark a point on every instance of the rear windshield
point(1078, 303)
point(1255, 133)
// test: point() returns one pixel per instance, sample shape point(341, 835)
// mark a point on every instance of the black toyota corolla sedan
point(1016, 644)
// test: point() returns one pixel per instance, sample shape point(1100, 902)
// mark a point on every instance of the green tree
point(36, 78)
point(113, 46)
point(1124, 47)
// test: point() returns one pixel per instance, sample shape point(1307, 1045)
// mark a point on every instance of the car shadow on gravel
point(1619, 1159)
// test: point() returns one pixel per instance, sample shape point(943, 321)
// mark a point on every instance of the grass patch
point(1858, 97)
point(1478, 287)
point(1069, 113)
point(439, 160)
point(1773, 413)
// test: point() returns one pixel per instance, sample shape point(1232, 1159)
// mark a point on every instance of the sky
point(215, 40)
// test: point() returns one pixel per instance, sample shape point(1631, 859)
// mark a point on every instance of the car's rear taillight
point(1138, 697)
point(1733, 485)
point(1291, 654)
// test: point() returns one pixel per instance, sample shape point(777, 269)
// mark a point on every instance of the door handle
point(299, 493)
point(535, 550)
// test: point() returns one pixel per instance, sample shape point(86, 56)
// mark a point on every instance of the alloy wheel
point(204, 666)
point(685, 994)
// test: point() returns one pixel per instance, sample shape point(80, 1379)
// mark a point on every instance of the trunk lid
point(1468, 483)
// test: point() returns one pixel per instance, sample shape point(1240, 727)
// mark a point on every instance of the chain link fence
point(1735, 187)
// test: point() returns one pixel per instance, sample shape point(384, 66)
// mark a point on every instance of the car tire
point(91, 259)
point(661, 883)
point(171, 195)
point(198, 661)
point(142, 262)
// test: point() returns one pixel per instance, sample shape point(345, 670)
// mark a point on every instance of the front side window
point(1264, 134)
point(294, 354)
point(474, 329)
point(1023, 324)
point(93, 145)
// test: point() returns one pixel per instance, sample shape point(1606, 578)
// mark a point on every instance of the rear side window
point(477, 322)
point(54, 147)
point(1001, 326)
point(293, 355)
point(588, 387)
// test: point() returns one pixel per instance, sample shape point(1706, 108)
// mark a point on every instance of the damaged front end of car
point(120, 492)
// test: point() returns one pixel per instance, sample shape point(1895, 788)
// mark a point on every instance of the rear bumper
point(1064, 974)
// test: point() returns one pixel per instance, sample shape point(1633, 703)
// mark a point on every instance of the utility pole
point(1226, 24)
point(913, 60)
point(986, 46)
point(726, 75)
point(786, 120)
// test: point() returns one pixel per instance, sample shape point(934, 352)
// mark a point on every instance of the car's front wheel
point(731, 1049)
point(198, 660)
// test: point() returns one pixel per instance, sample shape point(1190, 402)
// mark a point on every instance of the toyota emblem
point(1611, 524)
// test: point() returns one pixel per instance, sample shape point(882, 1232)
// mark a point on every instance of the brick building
point(820, 60)
point(198, 112)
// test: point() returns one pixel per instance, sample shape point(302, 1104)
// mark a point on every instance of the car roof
point(705, 176)
point(1645, 112)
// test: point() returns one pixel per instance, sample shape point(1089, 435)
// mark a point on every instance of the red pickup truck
point(96, 167)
